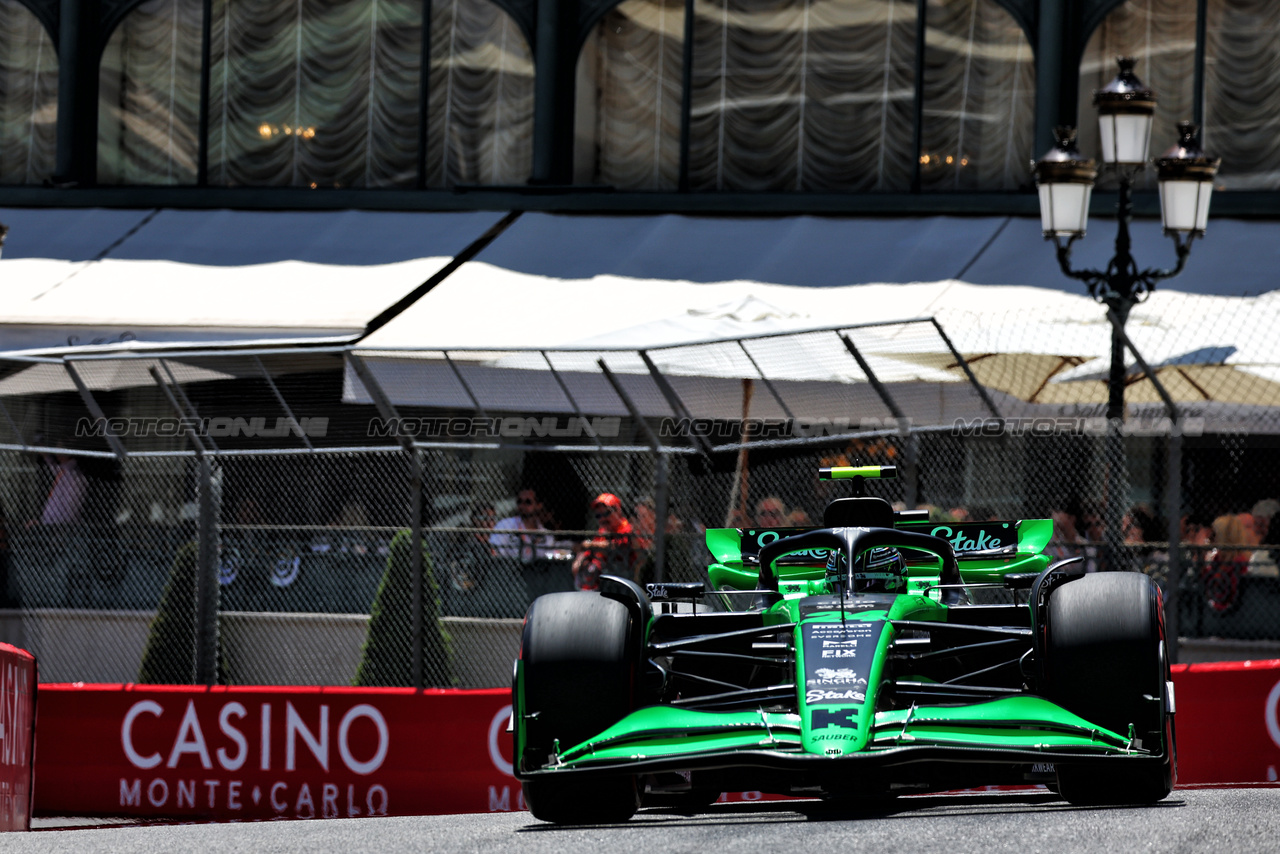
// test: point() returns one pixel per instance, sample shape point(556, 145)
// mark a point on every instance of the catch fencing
point(326, 516)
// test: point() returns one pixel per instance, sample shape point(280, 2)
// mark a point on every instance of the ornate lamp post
point(1065, 181)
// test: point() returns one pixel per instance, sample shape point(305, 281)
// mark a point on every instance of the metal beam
point(768, 383)
point(380, 400)
point(911, 479)
point(186, 401)
point(968, 372)
point(284, 404)
point(572, 400)
point(649, 435)
point(475, 401)
point(96, 411)
point(13, 425)
point(678, 408)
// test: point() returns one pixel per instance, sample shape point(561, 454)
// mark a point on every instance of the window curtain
point(1242, 92)
point(316, 93)
point(979, 99)
point(149, 96)
point(28, 97)
point(319, 93)
point(807, 95)
point(629, 97)
point(1161, 35)
point(802, 95)
point(481, 103)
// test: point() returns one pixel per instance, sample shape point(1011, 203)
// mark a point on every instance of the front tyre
point(1105, 661)
point(579, 678)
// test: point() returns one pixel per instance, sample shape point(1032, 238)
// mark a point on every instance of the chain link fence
point(336, 517)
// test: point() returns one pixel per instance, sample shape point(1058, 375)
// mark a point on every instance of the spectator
point(351, 515)
point(1066, 541)
point(611, 551)
point(468, 565)
point(798, 518)
point(1264, 513)
point(1093, 530)
point(66, 496)
point(645, 525)
point(1228, 560)
point(484, 518)
point(530, 516)
point(1194, 531)
point(771, 512)
point(8, 595)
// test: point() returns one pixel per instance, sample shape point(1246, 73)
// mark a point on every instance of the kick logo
point(842, 718)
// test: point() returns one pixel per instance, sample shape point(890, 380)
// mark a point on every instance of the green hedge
point(170, 654)
point(388, 649)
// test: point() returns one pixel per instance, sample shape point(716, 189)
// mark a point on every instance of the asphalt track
point(1221, 821)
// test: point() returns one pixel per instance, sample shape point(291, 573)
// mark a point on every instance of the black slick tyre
point(1105, 661)
point(579, 679)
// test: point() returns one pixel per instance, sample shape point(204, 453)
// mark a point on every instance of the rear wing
point(971, 541)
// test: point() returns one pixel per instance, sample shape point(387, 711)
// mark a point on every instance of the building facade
point(798, 98)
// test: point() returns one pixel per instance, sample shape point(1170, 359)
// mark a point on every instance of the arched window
point(979, 99)
point(629, 98)
point(1242, 77)
point(317, 93)
point(807, 95)
point(481, 105)
point(802, 95)
point(28, 97)
point(1161, 35)
point(149, 96)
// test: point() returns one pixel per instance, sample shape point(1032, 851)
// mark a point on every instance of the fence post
point(661, 488)
point(1173, 513)
point(209, 508)
point(387, 410)
point(207, 575)
point(415, 564)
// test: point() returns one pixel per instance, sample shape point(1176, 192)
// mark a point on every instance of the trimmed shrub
point(388, 649)
point(170, 654)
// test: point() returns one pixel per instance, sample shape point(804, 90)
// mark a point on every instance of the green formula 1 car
point(878, 655)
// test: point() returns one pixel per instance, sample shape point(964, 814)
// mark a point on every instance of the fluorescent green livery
point(875, 655)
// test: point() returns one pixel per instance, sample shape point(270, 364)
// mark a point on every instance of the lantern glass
point(1184, 205)
point(1064, 208)
point(1125, 137)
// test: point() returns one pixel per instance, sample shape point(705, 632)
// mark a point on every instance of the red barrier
point(1228, 721)
point(17, 736)
point(266, 752)
point(252, 753)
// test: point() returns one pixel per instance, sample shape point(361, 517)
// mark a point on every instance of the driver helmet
point(879, 570)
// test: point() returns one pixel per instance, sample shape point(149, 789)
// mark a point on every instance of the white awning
point(203, 277)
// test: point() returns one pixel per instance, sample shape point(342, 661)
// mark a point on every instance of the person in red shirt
point(611, 551)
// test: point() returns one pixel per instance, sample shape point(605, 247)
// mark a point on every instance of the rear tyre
point(579, 679)
point(1105, 661)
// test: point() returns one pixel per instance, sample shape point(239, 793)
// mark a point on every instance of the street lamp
point(1065, 182)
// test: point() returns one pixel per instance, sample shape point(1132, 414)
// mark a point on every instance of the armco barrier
point(1228, 721)
point(17, 736)
point(273, 752)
